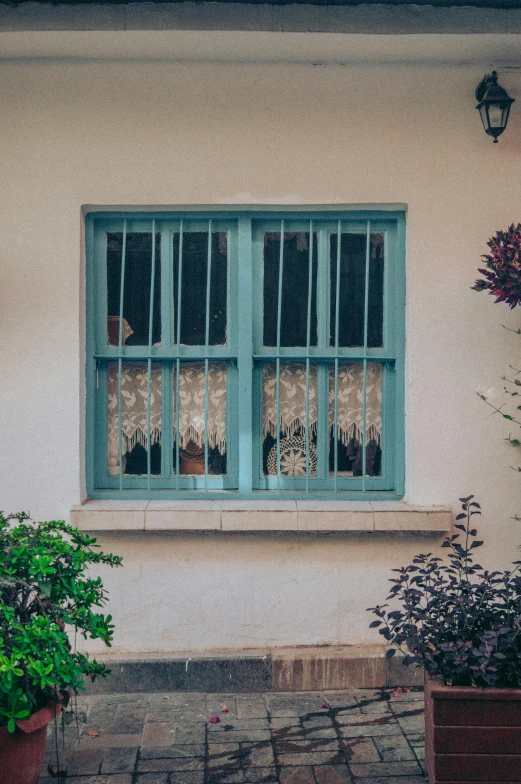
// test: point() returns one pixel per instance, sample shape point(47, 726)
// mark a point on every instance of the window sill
point(230, 516)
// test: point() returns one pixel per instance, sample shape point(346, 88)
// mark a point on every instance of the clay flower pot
point(22, 751)
point(472, 736)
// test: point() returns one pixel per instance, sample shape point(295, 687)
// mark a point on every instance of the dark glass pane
point(193, 289)
point(352, 290)
point(136, 296)
point(297, 409)
point(192, 418)
point(347, 430)
point(134, 418)
point(295, 288)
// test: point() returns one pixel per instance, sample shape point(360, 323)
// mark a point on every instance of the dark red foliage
point(503, 267)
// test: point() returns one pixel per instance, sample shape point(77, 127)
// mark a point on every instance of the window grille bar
point(308, 342)
point(178, 342)
point(206, 344)
point(149, 368)
point(337, 326)
point(120, 344)
point(279, 314)
point(366, 318)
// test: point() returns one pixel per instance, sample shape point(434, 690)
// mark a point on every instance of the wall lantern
point(494, 105)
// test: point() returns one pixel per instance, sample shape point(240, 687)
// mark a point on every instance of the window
point(245, 354)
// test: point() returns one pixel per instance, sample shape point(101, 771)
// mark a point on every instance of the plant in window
point(44, 587)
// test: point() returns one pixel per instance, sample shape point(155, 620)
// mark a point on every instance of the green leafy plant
point(44, 588)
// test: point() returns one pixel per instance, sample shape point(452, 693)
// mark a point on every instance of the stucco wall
point(177, 134)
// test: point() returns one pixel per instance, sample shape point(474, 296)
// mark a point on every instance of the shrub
point(44, 587)
point(456, 619)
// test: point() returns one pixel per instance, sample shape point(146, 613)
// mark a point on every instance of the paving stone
point(187, 777)
point(129, 719)
point(416, 738)
point(84, 762)
point(298, 775)
point(151, 778)
point(251, 708)
point(392, 780)
point(408, 696)
point(190, 733)
point(121, 778)
point(113, 741)
point(101, 717)
point(258, 755)
point(285, 722)
point(83, 780)
point(341, 699)
point(260, 775)
point(157, 734)
point(238, 736)
point(361, 750)
point(301, 733)
point(380, 706)
point(311, 758)
point(332, 774)
point(420, 752)
point(412, 724)
point(321, 720)
point(177, 750)
point(367, 720)
point(156, 765)
point(223, 755)
point(225, 777)
point(370, 769)
point(394, 748)
point(370, 731)
point(289, 746)
point(119, 760)
point(227, 724)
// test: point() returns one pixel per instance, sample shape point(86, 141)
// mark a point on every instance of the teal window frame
point(244, 354)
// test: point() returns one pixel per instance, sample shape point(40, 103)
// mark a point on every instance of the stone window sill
point(229, 516)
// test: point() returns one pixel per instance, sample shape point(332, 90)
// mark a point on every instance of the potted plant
point(44, 588)
point(463, 625)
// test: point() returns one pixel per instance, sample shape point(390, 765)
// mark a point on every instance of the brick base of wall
point(278, 669)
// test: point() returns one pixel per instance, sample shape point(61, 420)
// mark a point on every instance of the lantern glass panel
point(495, 115)
point(484, 116)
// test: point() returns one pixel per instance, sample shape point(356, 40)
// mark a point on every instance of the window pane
point(352, 290)
point(193, 288)
point(134, 418)
point(297, 408)
point(295, 288)
point(348, 428)
point(136, 295)
point(192, 417)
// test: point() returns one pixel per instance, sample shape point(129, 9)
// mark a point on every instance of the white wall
point(76, 133)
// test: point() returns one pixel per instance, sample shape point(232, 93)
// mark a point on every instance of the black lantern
point(494, 105)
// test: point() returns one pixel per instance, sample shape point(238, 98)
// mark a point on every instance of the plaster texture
point(78, 133)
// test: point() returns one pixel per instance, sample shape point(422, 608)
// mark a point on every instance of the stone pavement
point(363, 737)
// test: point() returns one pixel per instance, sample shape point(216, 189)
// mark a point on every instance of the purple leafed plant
point(456, 619)
point(503, 267)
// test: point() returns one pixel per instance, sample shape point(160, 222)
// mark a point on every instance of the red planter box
point(472, 736)
point(22, 751)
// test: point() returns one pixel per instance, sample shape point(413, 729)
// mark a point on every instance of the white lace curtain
point(134, 399)
point(292, 405)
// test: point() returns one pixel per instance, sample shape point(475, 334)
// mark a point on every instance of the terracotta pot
point(472, 736)
point(22, 751)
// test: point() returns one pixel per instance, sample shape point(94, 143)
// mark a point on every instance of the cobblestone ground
point(363, 737)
